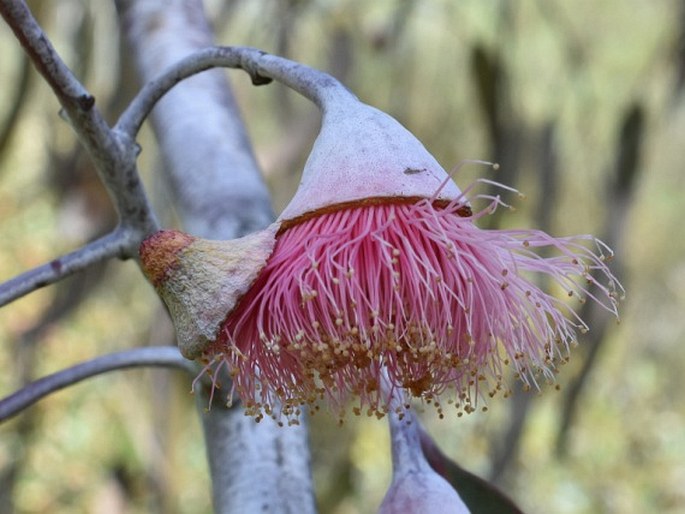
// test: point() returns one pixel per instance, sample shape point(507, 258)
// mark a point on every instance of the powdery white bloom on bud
point(419, 493)
point(377, 266)
point(415, 487)
point(201, 280)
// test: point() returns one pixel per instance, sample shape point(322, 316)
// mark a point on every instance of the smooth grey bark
point(113, 152)
point(217, 187)
point(219, 194)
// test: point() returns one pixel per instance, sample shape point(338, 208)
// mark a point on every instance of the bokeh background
point(583, 105)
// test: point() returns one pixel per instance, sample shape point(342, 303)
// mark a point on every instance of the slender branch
point(416, 486)
point(407, 455)
point(155, 356)
point(319, 87)
point(315, 85)
point(69, 90)
point(114, 154)
point(114, 244)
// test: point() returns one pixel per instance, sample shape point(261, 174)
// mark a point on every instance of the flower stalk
point(415, 486)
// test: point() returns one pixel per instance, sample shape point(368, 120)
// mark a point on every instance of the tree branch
point(159, 356)
point(315, 85)
point(114, 244)
point(278, 456)
point(113, 152)
point(70, 92)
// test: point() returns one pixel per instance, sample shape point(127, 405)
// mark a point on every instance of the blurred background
point(583, 105)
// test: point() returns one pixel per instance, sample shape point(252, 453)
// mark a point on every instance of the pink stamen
point(414, 292)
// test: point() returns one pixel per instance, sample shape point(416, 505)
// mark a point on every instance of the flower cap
point(362, 156)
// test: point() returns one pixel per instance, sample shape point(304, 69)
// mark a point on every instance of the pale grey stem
point(269, 466)
point(56, 73)
point(114, 244)
point(405, 434)
point(113, 153)
point(218, 191)
point(219, 194)
point(159, 356)
point(415, 487)
point(319, 87)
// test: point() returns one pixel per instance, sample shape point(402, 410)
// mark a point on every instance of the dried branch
point(262, 68)
point(156, 356)
point(505, 128)
point(114, 244)
point(70, 92)
point(113, 152)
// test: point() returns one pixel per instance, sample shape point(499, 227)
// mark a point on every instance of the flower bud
point(416, 487)
point(425, 491)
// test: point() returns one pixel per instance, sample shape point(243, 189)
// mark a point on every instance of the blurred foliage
point(521, 81)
